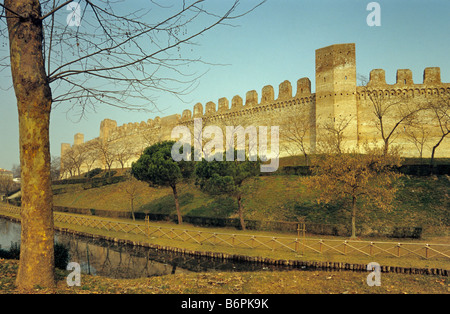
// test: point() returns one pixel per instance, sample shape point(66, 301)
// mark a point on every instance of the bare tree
point(76, 157)
point(297, 131)
point(418, 135)
point(67, 166)
point(55, 167)
point(16, 171)
point(441, 115)
point(333, 137)
point(92, 156)
point(124, 152)
point(106, 152)
point(391, 112)
point(111, 57)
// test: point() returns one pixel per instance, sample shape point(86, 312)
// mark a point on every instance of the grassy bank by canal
point(411, 261)
point(420, 202)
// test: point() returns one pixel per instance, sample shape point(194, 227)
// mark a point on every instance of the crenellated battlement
point(337, 97)
point(404, 78)
point(285, 94)
point(405, 85)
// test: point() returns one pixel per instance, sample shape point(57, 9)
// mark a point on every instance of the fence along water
point(300, 244)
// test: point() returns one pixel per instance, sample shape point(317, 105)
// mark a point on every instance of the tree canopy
point(356, 177)
point(156, 166)
point(227, 177)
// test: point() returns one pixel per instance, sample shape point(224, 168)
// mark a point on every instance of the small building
point(6, 173)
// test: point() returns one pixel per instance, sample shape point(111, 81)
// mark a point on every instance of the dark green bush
point(109, 174)
point(93, 173)
point(407, 232)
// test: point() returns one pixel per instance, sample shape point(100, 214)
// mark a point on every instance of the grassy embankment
point(420, 202)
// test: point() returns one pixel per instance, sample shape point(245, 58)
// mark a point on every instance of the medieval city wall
point(404, 95)
point(337, 99)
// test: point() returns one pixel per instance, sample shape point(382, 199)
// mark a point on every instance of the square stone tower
point(336, 105)
point(78, 139)
point(106, 128)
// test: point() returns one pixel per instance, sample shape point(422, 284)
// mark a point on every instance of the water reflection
point(9, 233)
point(99, 257)
point(103, 258)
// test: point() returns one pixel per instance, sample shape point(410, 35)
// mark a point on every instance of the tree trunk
point(177, 205)
point(241, 212)
point(386, 147)
point(433, 151)
point(34, 103)
point(353, 217)
point(132, 209)
point(306, 159)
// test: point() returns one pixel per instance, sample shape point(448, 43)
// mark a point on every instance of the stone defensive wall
point(337, 99)
point(135, 137)
point(404, 95)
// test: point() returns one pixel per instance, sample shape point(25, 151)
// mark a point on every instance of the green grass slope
point(420, 201)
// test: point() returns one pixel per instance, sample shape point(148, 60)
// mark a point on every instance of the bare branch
point(52, 12)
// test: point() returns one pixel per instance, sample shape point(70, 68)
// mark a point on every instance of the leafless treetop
point(120, 55)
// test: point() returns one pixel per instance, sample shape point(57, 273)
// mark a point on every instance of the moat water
point(105, 258)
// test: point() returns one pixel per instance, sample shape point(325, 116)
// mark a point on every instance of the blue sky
point(274, 43)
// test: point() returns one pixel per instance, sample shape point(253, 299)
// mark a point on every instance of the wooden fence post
point(147, 225)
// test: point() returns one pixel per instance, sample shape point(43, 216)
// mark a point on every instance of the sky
point(274, 43)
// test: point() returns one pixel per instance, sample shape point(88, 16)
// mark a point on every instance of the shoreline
point(291, 264)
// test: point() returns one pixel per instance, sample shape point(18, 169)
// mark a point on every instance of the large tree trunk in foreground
point(34, 105)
